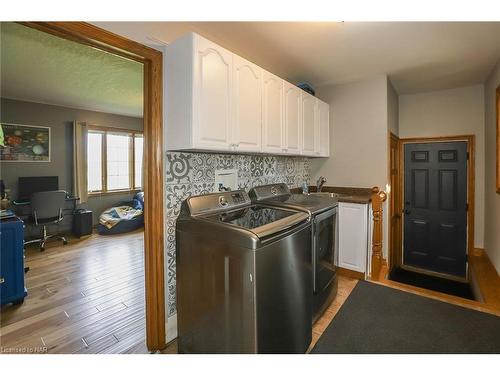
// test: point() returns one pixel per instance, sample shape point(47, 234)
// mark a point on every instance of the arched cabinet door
point(310, 129)
point(216, 100)
point(213, 68)
point(323, 117)
point(272, 118)
point(293, 120)
point(247, 106)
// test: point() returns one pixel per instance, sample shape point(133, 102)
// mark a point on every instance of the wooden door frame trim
point(471, 179)
point(497, 105)
point(390, 250)
point(85, 33)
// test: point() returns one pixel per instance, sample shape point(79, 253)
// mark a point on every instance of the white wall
point(492, 199)
point(392, 109)
point(447, 113)
point(358, 136)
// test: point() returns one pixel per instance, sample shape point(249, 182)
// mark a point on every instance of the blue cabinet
point(11, 261)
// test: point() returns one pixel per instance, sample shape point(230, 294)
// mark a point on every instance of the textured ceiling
point(417, 56)
point(42, 68)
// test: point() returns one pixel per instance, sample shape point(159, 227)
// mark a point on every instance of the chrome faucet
point(319, 184)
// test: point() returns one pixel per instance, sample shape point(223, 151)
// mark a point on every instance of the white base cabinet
point(354, 238)
point(217, 101)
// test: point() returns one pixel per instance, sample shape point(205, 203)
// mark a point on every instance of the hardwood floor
point(85, 297)
point(487, 278)
point(474, 305)
point(88, 297)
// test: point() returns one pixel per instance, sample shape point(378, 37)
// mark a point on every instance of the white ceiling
point(417, 56)
point(42, 68)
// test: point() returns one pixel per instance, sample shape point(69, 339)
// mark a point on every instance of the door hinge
point(467, 207)
point(468, 155)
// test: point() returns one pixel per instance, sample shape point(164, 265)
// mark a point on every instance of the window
point(118, 161)
point(114, 160)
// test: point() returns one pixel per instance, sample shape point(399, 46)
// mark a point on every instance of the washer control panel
point(272, 191)
point(217, 202)
point(238, 197)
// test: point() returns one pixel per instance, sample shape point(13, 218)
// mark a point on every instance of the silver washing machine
point(244, 276)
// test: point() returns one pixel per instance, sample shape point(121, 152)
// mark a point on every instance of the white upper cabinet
point(310, 128)
point(247, 106)
point(272, 119)
point(217, 101)
point(323, 116)
point(213, 71)
point(292, 119)
point(198, 95)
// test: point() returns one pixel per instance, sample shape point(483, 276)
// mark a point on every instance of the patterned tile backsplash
point(194, 173)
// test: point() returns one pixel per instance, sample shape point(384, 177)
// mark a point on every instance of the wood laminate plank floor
point(88, 297)
point(85, 297)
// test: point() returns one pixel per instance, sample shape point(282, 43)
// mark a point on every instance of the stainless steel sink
point(330, 195)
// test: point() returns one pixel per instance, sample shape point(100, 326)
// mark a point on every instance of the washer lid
point(261, 220)
point(311, 203)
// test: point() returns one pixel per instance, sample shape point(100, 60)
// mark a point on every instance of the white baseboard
point(171, 328)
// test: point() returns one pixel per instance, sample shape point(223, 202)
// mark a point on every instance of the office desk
point(27, 202)
point(23, 210)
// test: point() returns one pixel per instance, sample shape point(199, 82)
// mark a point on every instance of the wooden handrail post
point(378, 198)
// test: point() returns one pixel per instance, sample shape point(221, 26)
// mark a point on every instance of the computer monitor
point(30, 185)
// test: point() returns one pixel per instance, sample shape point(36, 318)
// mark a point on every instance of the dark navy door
point(435, 207)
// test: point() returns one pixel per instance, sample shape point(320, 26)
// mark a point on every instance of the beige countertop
point(344, 194)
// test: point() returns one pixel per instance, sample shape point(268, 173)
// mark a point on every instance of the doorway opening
point(148, 140)
point(432, 212)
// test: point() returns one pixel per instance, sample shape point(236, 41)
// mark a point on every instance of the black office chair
point(47, 208)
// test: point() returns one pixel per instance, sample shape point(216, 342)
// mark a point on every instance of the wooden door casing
point(498, 140)
point(395, 224)
point(85, 33)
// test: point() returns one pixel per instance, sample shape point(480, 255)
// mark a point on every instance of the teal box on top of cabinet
point(12, 261)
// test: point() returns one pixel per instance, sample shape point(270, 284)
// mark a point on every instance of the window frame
point(104, 130)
